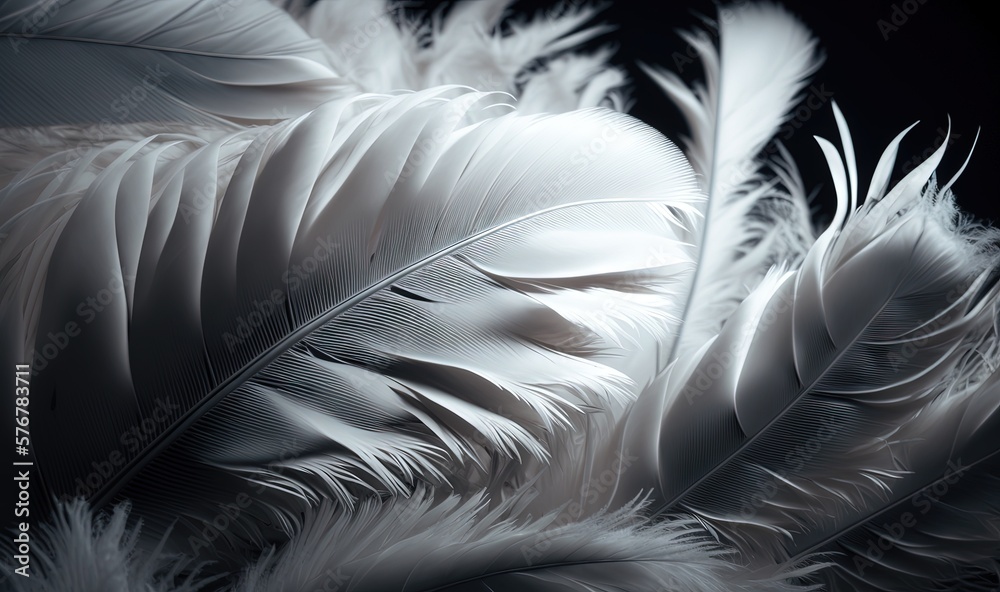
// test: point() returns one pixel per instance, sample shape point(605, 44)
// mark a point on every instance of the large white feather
point(471, 300)
point(752, 81)
point(353, 215)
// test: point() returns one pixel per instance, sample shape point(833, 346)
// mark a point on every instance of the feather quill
point(752, 81)
point(438, 342)
point(814, 405)
point(326, 211)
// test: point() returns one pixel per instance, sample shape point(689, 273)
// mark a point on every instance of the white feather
point(351, 214)
point(114, 62)
point(851, 359)
point(751, 82)
point(405, 544)
point(382, 48)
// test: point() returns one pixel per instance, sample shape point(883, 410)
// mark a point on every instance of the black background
point(939, 62)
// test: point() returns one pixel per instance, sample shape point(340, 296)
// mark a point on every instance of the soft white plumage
point(426, 315)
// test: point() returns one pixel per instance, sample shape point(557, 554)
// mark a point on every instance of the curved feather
point(939, 526)
point(812, 410)
point(381, 48)
point(752, 81)
point(116, 62)
point(431, 376)
point(229, 269)
point(402, 545)
point(382, 300)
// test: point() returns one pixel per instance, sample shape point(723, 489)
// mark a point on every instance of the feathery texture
point(114, 62)
point(380, 47)
point(939, 527)
point(834, 390)
point(752, 81)
point(80, 552)
point(415, 545)
point(344, 318)
point(233, 254)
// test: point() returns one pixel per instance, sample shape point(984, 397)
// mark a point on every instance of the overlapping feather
point(442, 396)
point(458, 545)
point(329, 212)
point(837, 391)
point(381, 47)
point(752, 81)
point(192, 62)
